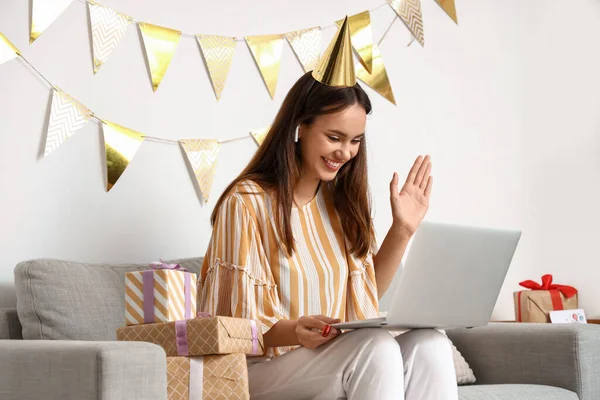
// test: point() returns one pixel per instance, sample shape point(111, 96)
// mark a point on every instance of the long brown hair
point(277, 164)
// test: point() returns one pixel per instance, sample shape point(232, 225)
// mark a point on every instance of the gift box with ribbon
point(199, 336)
point(534, 305)
point(207, 377)
point(163, 293)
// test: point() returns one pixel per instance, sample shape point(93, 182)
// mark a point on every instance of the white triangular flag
point(108, 27)
point(66, 117)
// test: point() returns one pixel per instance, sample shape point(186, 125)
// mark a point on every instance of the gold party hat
point(336, 67)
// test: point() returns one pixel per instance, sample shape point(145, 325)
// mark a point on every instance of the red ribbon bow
point(568, 291)
point(163, 265)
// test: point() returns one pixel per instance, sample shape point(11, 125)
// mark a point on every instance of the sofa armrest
point(10, 327)
point(562, 355)
point(65, 369)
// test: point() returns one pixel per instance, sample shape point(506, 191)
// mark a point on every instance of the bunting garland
point(267, 50)
point(160, 44)
point(108, 27)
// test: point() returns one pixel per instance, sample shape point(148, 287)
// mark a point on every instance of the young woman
point(293, 247)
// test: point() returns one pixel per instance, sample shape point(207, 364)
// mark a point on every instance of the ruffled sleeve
point(362, 299)
point(235, 279)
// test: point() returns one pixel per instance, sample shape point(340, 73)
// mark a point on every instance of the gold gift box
point(222, 377)
point(167, 297)
point(535, 305)
point(207, 335)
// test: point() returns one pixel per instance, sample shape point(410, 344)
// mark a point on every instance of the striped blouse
point(246, 274)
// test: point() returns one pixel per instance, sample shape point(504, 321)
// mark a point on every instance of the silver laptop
point(451, 279)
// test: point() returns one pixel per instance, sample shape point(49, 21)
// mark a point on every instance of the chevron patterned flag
point(8, 51)
point(362, 37)
point(66, 117)
point(108, 27)
point(409, 12)
point(259, 134)
point(43, 14)
point(202, 156)
point(449, 7)
point(267, 51)
point(378, 80)
point(306, 44)
point(218, 53)
point(160, 44)
point(121, 145)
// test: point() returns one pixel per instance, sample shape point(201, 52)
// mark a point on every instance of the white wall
point(506, 103)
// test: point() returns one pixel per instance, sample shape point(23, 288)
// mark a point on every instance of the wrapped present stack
point(535, 304)
point(206, 356)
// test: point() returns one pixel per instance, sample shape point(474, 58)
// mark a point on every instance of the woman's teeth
point(332, 164)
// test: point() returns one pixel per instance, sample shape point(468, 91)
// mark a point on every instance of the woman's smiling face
point(331, 141)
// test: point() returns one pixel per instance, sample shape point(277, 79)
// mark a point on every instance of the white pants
point(362, 364)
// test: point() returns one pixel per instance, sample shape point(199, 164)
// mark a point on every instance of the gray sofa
point(67, 313)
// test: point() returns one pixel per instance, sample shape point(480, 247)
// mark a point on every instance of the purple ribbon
point(181, 338)
point(163, 265)
point(148, 281)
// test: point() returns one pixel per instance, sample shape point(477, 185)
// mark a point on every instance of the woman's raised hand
point(410, 204)
point(315, 330)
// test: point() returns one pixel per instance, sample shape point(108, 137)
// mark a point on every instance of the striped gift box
point(164, 293)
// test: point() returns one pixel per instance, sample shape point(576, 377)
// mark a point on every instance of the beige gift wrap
point(536, 304)
point(164, 293)
point(199, 336)
point(207, 377)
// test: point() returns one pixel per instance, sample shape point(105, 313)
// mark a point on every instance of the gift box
point(164, 293)
point(207, 377)
point(199, 336)
point(535, 305)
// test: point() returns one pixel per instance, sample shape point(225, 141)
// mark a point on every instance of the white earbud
point(296, 138)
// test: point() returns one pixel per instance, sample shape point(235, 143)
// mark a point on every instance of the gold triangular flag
point(336, 66)
point(409, 12)
point(8, 51)
point(66, 117)
point(121, 145)
point(218, 53)
point(160, 44)
point(378, 80)
point(267, 50)
point(259, 134)
point(108, 27)
point(202, 157)
point(306, 44)
point(43, 14)
point(449, 7)
point(362, 37)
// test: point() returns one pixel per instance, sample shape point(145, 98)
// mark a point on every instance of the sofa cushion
point(514, 392)
point(67, 300)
